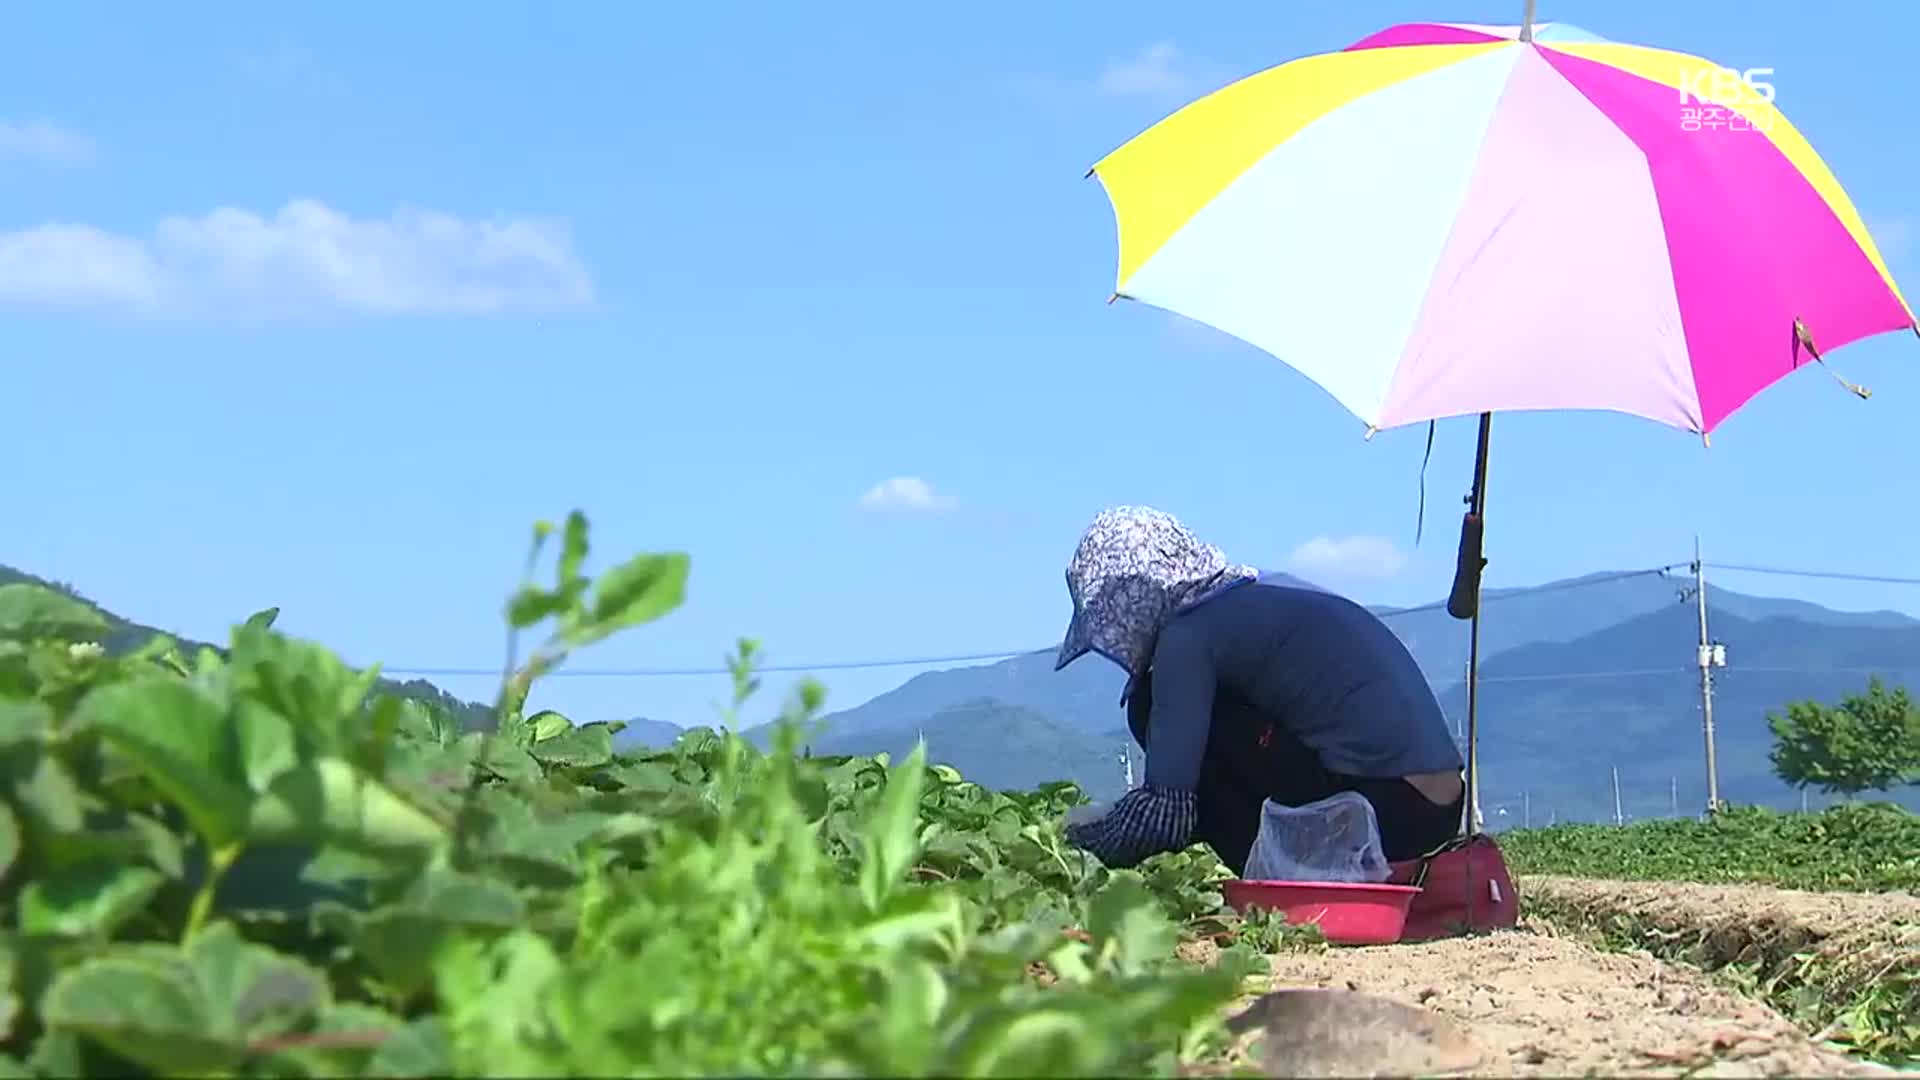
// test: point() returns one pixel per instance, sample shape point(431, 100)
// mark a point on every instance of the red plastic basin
point(1348, 913)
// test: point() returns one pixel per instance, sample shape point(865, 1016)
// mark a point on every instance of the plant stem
point(217, 866)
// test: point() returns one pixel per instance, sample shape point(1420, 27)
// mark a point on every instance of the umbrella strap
point(1804, 338)
point(1420, 519)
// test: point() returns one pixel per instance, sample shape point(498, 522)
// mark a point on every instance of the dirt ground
point(1534, 1002)
point(1814, 914)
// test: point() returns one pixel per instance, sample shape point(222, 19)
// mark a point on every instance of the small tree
point(1869, 742)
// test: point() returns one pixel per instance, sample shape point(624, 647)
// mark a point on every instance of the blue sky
point(714, 272)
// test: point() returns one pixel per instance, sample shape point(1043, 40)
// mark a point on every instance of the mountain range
point(1578, 678)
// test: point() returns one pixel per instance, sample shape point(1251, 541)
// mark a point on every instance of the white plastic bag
point(1335, 839)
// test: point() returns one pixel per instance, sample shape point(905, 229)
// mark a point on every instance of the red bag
point(1465, 887)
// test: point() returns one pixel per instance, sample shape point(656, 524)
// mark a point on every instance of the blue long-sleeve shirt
point(1320, 665)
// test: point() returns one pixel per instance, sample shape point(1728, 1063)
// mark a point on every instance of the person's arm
point(1162, 815)
point(1183, 687)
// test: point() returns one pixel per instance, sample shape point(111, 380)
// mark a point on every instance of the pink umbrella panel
point(1442, 221)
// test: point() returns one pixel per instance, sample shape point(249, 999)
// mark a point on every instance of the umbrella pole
point(1464, 603)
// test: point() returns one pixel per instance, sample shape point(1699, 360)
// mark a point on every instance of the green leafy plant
point(263, 863)
point(1868, 847)
point(1869, 742)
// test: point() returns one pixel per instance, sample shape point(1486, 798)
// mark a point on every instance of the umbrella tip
point(1706, 439)
point(1111, 297)
point(1371, 432)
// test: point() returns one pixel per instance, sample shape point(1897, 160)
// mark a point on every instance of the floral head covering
point(1136, 568)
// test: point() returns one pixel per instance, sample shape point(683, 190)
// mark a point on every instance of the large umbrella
point(1450, 219)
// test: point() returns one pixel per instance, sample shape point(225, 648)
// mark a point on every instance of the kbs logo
point(1722, 99)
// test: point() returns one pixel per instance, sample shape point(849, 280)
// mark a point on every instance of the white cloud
point(1156, 70)
point(1348, 557)
point(44, 141)
point(1159, 75)
point(306, 258)
point(1160, 71)
point(906, 493)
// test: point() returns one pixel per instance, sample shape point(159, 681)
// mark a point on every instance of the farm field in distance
point(251, 861)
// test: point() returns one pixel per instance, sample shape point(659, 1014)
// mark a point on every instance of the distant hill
point(1578, 678)
point(1564, 611)
point(1002, 746)
point(1087, 693)
point(642, 732)
point(124, 635)
point(1555, 718)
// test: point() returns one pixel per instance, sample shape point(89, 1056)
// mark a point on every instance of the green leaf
point(9, 840)
point(263, 618)
point(544, 853)
point(10, 991)
point(307, 684)
point(49, 799)
point(182, 744)
point(28, 612)
point(252, 991)
point(24, 721)
point(510, 763)
point(330, 800)
point(403, 941)
point(401, 946)
point(417, 721)
point(149, 1012)
point(580, 747)
point(637, 591)
point(892, 834)
point(646, 776)
point(56, 1053)
point(87, 900)
point(341, 1043)
point(419, 1049)
point(266, 744)
point(529, 604)
point(546, 724)
point(467, 900)
point(573, 549)
point(193, 1010)
point(1129, 926)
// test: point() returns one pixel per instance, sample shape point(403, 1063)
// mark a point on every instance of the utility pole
point(1126, 763)
point(1618, 817)
point(1673, 795)
point(1526, 809)
point(1707, 658)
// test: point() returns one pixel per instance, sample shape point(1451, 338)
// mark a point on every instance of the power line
point(963, 658)
point(1832, 575)
point(1882, 669)
point(1551, 676)
point(1491, 597)
point(1495, 596)
point(642, 672)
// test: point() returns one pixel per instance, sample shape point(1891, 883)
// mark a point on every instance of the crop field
point(250, 863)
